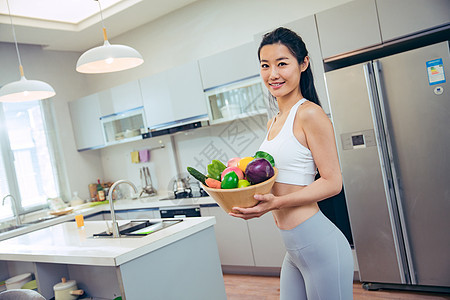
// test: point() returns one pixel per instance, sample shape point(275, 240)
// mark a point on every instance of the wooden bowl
point(240, 197)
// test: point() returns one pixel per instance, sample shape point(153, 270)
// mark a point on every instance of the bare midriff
point(290, 217)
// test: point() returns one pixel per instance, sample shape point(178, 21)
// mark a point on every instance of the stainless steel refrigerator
point(392, 124)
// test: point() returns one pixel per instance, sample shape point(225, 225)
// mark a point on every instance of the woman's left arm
point(320, 139)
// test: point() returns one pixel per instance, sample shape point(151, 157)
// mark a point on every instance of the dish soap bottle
point(100, 191)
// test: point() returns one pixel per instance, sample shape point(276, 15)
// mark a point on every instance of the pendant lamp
point(24, 89)
point(108, 58)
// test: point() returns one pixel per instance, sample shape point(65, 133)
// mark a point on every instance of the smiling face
point(281, 71)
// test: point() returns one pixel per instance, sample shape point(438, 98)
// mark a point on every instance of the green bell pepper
point(215, 169)
point(262, 154)
point(230, 181)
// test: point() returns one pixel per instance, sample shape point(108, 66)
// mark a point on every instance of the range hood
point(177, 126)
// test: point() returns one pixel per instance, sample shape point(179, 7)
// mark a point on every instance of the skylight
point(67, 11)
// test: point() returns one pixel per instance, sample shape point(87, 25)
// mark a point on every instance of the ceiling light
point(24, 89)
point(108, 58)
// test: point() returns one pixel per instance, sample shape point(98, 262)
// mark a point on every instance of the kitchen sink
point(12, 227)
point(138, 228)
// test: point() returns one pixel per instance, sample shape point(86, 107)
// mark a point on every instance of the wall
point(198, 30)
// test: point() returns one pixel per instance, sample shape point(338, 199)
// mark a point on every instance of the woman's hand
point(266, 203)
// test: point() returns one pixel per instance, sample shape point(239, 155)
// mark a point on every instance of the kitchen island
point(177, 262)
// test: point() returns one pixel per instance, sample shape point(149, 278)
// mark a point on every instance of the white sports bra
point(294, 161)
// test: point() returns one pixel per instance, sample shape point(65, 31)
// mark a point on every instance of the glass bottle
point(100, 191)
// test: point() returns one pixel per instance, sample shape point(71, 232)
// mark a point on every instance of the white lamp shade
point(26, 90)
point(108, 58)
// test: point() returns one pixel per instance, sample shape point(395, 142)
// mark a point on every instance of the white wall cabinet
point(229, 66)
point(186, 92)
point(268, 247)
point(120, 98)
point(173, 95)
point(404, 17)
point(348, 27)
point(85, 115)
point(364, 23)
point(232, 236)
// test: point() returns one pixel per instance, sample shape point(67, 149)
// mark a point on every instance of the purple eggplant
point(259, 170)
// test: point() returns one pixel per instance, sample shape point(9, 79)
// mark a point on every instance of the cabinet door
point(403, 17)
point(268, 247)
point(94, 217)
point(348, 27)
point(119, 215)
point(156, 99)
point(144, 214)
point(85, 114)
point(186, 91)
point(233, 238)
point(120, 98)
point(229, 66)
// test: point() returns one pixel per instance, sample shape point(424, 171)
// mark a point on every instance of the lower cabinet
point(256, 242)
point(144, 214)
point(233, 239)
point(119, 215)
point(127, 215)
point(95, 217)
point(268, 247)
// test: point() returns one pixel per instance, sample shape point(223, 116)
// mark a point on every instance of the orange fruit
point(243, 162)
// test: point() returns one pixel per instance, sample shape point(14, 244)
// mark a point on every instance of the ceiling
point(75, 25)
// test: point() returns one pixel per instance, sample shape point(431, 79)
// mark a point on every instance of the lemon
point(243, 162)
point(243, 183)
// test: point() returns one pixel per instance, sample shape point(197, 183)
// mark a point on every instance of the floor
point(246, 287)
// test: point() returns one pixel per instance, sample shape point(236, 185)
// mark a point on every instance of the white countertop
point(66, 244)
point(123, 204)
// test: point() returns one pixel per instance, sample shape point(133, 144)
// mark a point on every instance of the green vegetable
point(230, 181)
point(215, 168)
point(197, 175)
point(262, 154)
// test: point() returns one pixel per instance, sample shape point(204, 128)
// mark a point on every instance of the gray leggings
point(318, 263)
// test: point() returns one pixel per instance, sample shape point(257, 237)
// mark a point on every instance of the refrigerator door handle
point(398, 197)
point(385, 162)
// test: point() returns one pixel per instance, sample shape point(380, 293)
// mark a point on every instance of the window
point(29, 168)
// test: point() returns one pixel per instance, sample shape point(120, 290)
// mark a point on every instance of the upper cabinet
point(348, 27)
point(404, 17)
point(120, 98)
point(229, 66)
point(232, 84)
point(306, 28)
point(364, 23)
point(85, 114)
point(173, 96)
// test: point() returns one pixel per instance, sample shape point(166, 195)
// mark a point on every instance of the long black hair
point(297, 47)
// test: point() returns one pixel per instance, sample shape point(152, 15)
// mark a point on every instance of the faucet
point(14, 208)
point(115, 225)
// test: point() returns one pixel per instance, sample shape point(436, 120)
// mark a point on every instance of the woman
point(318, 263)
